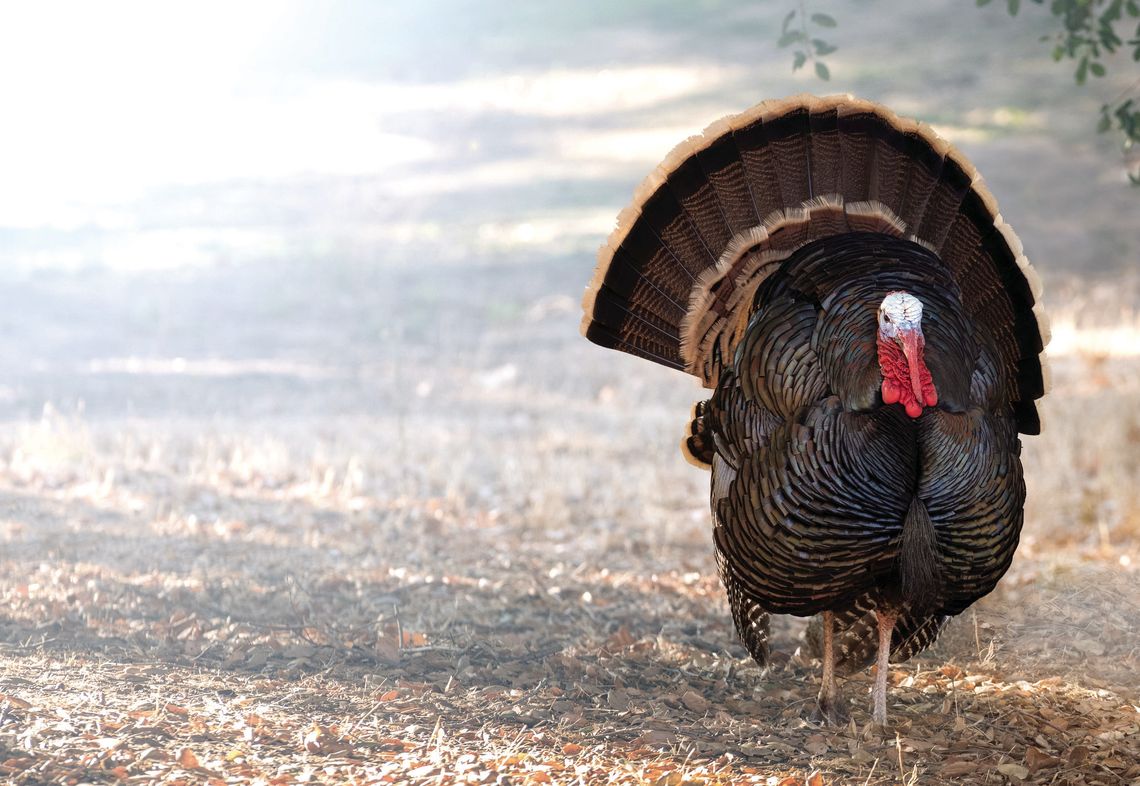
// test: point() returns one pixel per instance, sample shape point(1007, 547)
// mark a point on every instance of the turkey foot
point(830, 710)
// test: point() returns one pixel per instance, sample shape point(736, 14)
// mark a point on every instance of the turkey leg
point(830, 710)
point(886, 620)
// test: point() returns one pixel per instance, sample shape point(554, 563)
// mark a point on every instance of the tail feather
point(788, 143)
point(674, 282)
point(666, 216)
point(941, 208)
point(825, 151)
point(622, 340)
point(855, 122)
point(644, 291)
point(760, 166)
point(888, 178)
point(920, 568)
point(698, 199)
point(923, 173)
point(613, 311)
point(721, 164)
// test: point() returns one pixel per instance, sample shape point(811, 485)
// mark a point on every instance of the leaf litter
point(251, 605)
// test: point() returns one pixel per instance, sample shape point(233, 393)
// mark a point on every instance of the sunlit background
point(289, 303)
point(145, 136)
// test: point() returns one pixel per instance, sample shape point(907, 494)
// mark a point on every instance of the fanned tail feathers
point(676, 279)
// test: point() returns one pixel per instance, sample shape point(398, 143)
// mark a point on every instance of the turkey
point(871, 331)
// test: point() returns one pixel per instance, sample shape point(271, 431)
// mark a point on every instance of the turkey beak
point(912, 350)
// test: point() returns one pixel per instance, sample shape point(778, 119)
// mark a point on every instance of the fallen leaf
point(618, 699)
point(13, 701)
point(1039, 760)
point(955, 768)
point(815, 779)
point(187, 759)
point(1012, 770)
point(571, 748)
point(816, 745)
point(1078, 754)
point(176, 709)
point(656, 737)
point(695, 701)
point(387, 650)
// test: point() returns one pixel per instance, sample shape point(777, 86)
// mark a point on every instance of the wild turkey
point(842, 279)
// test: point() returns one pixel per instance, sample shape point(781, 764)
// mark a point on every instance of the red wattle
point(896, 368)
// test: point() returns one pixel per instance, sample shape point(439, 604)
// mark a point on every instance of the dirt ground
point(312, 479)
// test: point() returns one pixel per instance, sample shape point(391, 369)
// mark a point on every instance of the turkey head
point(901, 345)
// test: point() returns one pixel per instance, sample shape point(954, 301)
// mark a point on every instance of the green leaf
point(800, 59)
point(821, 71)
point(1104, 124)
point(788, 20)
point(1097, 69)
point(1133, 8)
point(1014, 6)
point(822, 47)
point(1113, 12)
point(1058, 53)
point(823, 20)
point(982, 3)
point(789, 38)
point(1082, 71)
point(1109, 38)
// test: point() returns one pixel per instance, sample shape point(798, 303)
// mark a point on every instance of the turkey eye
point(887, 317)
